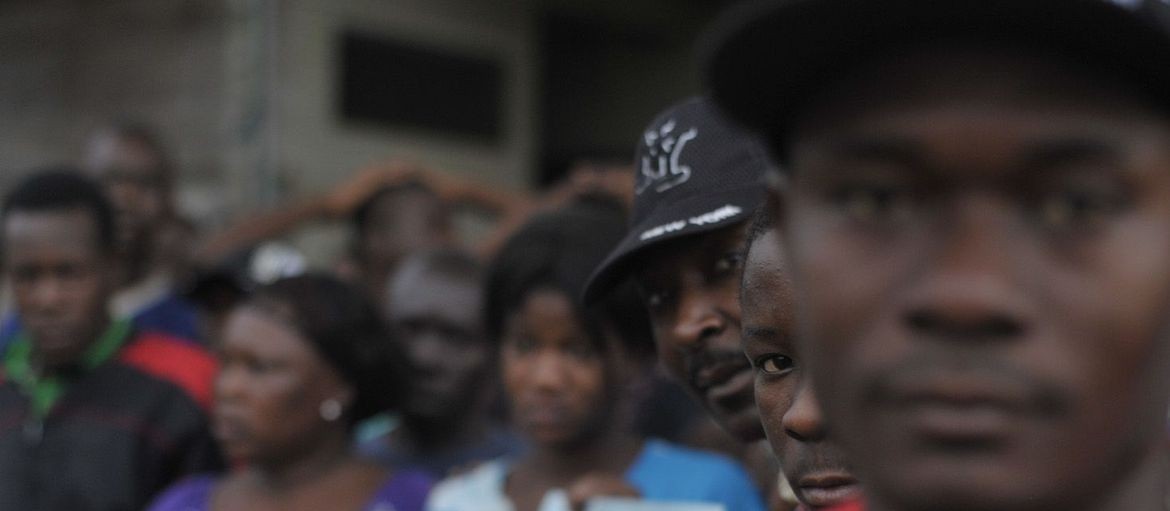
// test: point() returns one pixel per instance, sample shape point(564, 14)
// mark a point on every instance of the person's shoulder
point(405, 490)
point(481, 488)
point(179, 362)
point(411, 480)
point(173, 315)
point(666, 471)
point(190, 494)
point(666, 455)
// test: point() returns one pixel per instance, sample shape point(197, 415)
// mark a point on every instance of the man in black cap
point(977, 218)
point(698, 182)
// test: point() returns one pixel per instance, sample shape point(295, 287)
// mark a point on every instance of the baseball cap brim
point(764, 61)
point(716, 210)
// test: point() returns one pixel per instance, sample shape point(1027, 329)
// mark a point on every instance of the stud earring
point(330, 410)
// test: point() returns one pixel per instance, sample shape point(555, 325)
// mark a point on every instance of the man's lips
point(827, 489)
point(960, 408)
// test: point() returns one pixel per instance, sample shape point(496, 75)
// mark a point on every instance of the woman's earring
point(330, 410)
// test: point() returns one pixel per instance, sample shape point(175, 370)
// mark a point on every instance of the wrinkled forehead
point(418, 291)
point(970, 78)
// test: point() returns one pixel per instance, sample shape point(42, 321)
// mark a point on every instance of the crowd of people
point(907, 255)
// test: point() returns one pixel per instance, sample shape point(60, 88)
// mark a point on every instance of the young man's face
point(436, 319)
point(691, 286)
point(133, 177)
point(60, 280)
point(980, 239)
point(788, 409)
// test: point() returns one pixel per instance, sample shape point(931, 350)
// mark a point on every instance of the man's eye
point(522, 344)
point(656, 300)
point(729, 263)
point(872, 203)
point(774, 364)
point(581, 350)
point(24, 275)
point(1077, 208)
point(258, 365)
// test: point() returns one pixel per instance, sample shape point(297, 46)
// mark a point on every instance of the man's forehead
point(114, 152)
point(57, 228)
point(1027, 99)
point(665, 257)
point(422, 291)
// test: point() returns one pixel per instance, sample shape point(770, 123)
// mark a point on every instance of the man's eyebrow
point(760, 332)
point(1057, 152)
point(891, 149)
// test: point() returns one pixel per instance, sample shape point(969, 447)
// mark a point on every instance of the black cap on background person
point(698, 180)
point(694, 172)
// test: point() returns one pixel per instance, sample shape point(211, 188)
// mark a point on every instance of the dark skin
point(980, 241)
point(691, 286)
point(138, 186)
point(564, 398)
point(266, 417)
point(814, 466)
point(400, 224)
point(436, 318)
point(60, 282)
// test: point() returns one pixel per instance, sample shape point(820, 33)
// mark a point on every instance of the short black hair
point(559, 250)
point(346, 330)
point(62, 188)
point(363, 213)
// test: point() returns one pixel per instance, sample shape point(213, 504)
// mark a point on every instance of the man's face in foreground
point(980, 239)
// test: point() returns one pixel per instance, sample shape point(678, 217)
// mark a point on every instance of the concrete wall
point(244, 91)
point(68, 66)
point(317, 147)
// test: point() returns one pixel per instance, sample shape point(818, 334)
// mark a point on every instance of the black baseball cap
point(694, 172)
point(765, 59)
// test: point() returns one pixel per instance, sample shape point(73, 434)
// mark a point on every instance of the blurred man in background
point(130, 163)
point(697, 182)
point(434, 306)
point(95, 414)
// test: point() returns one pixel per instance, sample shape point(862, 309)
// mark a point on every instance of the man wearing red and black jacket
point(94, 415)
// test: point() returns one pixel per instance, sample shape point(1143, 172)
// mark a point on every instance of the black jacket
point(119, 434)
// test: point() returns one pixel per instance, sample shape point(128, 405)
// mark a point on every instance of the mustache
point(1037, 396)
point(821, 457)
point(701, 360)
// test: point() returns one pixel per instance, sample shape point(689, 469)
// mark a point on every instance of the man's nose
point(698, 317)
point(803, 420)
point(547, 372)
point(48, 293)
point(969, 285)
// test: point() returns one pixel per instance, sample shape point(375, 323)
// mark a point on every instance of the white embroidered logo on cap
point(1134, 5)
point(660, 166)
point(710, 217)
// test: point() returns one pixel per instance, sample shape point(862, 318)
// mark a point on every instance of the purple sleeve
point(405, 491)
point(191, 494)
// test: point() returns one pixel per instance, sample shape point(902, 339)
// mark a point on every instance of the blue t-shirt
point(662, 472)
point(673, 473)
